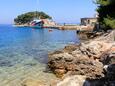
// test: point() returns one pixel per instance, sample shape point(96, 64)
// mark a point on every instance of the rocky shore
point(91, 63)
point(88, 64)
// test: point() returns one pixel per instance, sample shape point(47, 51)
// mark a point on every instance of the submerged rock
point(31, 82)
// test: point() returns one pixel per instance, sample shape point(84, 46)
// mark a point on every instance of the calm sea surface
point(23, 52)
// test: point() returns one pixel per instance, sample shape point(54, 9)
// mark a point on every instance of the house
point(89, 21)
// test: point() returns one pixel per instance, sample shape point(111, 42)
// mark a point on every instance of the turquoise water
point(23, 52)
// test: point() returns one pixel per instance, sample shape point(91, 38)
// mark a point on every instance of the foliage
point(106, 10)
point(28, 17)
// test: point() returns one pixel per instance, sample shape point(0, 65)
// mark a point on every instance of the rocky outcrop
point(86, 35)
point(107, 37)
point(95, 60)
point(82, 60)
point(109, 67)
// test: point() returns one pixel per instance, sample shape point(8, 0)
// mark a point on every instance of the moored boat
point(36, 23)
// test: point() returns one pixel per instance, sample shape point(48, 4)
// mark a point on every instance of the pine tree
point(106, 10)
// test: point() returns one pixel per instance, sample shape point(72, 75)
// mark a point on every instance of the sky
point(62, 11)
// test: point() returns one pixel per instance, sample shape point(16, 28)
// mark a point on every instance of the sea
point(24, 52)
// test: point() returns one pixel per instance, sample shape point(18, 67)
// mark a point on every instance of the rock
point(70, 48)
point(55, 52)
point(105, 68)
point(107, 37)
point(108, 57)
point(31, 82)
point(54, 82)
point(59, 65)
point(110, 75)
point(79, 80)
point(111, 72)
point(79, 64)
point(60, 56)
point(59, 72)
point(76, 80)
point(94, 59)
point(93, 70)
point(70, 66)
point(96, 48)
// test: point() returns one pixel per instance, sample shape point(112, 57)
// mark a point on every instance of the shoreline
point(87, 61)
point(63, 27)
point(25, 55)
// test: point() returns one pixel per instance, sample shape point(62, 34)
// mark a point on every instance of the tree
point(28, 17)
point(106, 10)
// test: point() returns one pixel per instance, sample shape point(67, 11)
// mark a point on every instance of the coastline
point(80, 63)
point(63, 27)
point(87, 62)
point(23, 59)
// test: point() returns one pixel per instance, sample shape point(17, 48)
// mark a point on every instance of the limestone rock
point(60, 72)
point(82, 61)
point(88, 59)
point(76, 80)
point(77, 62)
point(70, 48)
point(108, 37)
point(31, 82)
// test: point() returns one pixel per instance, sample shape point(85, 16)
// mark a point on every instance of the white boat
point(36, 23)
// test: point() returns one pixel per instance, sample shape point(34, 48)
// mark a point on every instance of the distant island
point(26, 18)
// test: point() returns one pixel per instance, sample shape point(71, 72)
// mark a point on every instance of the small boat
point(36, 23)
point(50, 30)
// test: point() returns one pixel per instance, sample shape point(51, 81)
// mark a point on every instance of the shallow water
point(23, 52)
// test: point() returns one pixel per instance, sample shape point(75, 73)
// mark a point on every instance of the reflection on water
point(23, 52)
